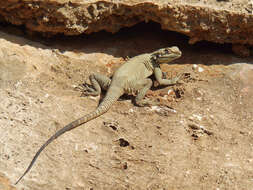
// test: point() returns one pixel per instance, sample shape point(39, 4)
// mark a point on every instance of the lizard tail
point(109, 99)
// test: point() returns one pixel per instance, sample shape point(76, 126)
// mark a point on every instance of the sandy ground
point(200, 137)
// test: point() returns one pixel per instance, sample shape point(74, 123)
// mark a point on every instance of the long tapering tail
point(102, 108)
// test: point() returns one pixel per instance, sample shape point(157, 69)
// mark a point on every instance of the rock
point(221, 22)
point(5, 183)
point(147, 150)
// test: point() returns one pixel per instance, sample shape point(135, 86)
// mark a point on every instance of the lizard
point(131, 77)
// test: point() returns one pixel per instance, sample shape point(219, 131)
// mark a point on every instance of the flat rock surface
point(200, 137)
point(221, 21)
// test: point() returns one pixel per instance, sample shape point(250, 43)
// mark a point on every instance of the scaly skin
point(131, 77)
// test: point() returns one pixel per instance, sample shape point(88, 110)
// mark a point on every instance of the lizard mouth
point(167, 58)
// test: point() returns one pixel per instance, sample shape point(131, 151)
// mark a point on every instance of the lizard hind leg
point(98, 82)
point(143, 87)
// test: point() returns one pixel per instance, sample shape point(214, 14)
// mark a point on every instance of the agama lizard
point(131, 77)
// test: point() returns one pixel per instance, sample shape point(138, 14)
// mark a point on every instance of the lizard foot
point(176, 79)
point(87, 90)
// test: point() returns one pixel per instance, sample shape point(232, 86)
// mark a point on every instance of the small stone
point(131, 110)
point(194, 66)
point(200, 69)
point(170, 91)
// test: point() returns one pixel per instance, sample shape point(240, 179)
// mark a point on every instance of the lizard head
point(166, 55)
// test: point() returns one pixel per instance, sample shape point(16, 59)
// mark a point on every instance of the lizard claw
point(178, 78)
point(89, 91)
point(86, 90)
point(79, 87)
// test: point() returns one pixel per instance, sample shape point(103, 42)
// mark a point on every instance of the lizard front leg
point(158, 75)
point(98, 81)
point(142, 87)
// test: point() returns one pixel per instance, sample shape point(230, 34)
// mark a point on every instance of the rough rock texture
point(216, 21)
point(201, 138)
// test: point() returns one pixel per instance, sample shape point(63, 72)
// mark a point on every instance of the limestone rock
point(216, 21)
point(129, 147)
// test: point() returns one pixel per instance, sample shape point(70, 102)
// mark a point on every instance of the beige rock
point(216, 21)
point(129, 147)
